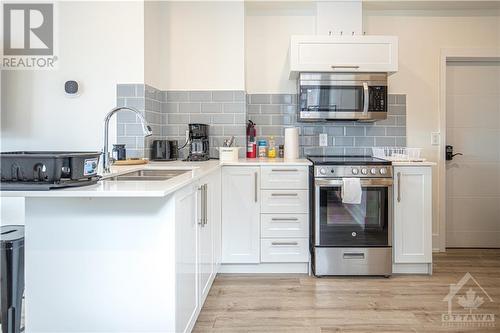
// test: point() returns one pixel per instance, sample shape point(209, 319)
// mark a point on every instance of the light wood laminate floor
point(299, 303)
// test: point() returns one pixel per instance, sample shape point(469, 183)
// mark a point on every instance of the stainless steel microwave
point(342, 96)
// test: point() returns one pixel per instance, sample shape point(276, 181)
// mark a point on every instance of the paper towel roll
point(291, 143)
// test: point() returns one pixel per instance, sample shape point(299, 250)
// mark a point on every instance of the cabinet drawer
point(284, 177)
point(284, 225)
point(285, 201)
point(284, 250)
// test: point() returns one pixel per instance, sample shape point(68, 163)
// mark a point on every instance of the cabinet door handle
point(284, 219)
point(256, 186)
point(285, 243)
point(284, 194)
point(399, 186)
point(345, 66)
point(284, 170)
point(200, 219)
point(205, 204)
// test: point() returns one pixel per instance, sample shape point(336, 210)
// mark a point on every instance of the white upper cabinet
point(343, 54)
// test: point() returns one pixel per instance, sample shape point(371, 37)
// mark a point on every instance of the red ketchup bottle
point(251, 140)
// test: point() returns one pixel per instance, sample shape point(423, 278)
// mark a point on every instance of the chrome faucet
point(105, 154)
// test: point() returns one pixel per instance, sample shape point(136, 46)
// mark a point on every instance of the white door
point(240, 215)
point(412, 215)
point(473, 129)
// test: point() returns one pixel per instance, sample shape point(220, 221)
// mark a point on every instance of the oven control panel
point(360, 171)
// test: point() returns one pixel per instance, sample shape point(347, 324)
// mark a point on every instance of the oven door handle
point(364, 182)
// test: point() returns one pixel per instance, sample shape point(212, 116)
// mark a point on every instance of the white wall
point(100, 44)
point(152, 43)
point(422, 35)
point(202, 45)
point(268, 27)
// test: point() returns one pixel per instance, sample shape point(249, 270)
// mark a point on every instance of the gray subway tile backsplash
point(344, 137)
point(169, 112)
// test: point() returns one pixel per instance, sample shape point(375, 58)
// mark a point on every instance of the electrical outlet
point(323, 140)
point(435, 138)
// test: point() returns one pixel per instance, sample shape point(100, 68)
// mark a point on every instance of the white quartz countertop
point(148, 188)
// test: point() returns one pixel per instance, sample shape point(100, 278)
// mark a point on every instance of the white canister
point(228, 154)
point(291, 143)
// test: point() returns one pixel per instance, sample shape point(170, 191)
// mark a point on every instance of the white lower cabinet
point(186, 286)
point(284, 250)
point(412, 218)
point(284, 225)
point(265, 222)
point(197, 208)
point(240, 215)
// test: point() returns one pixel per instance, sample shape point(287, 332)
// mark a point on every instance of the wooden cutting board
point(131, 162)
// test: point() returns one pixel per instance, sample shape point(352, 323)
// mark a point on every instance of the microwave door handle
point(366, 98)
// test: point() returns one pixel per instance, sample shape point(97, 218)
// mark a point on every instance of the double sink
point(149, 175)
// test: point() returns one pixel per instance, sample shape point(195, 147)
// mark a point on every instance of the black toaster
point(164, 150)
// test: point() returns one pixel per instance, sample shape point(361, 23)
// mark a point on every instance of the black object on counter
point(12, 276)
point(47, 166)
point(119, 152)
point(199, 147)
point(164, 150)
point(281, 151)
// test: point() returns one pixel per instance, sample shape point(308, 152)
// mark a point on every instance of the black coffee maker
point(199, 149)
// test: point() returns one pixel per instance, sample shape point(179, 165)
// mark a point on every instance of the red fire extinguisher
point(251, 140)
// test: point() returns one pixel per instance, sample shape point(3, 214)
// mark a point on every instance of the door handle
point(256, 186)
point(284, 170)
point(205, 204)
point(366, 98)
point(200, 219)
point(450, 154)
point(285, 243)
point(345, 66)
point(276, 219)
point(399, 186)
point(284, 194)
point(353, 256)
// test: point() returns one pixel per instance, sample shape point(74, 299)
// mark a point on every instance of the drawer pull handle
point(354, 256)
point(284, 170)
point(284, 194)
point(284, 219)
point(284, 243)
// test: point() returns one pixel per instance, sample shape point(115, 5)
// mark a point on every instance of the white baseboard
point(268, 268)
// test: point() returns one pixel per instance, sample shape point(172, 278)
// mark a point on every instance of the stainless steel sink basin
point(150, 175)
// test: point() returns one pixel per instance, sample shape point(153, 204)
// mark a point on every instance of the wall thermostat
point(71, 88)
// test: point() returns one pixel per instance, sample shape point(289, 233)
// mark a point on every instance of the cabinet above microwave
point(337, 54)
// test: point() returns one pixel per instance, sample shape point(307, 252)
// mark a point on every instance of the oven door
point(368, 224)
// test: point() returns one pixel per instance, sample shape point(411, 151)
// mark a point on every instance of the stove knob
point(383, 171)
point(355, 171)
point(322, 171)
point(373, 171)
point(364, 171)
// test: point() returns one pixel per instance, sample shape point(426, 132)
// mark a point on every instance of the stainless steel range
point(346, 238)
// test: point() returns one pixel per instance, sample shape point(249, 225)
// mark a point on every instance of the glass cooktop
point(346, 160)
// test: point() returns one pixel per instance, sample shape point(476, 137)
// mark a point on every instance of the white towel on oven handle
point(351, 191)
